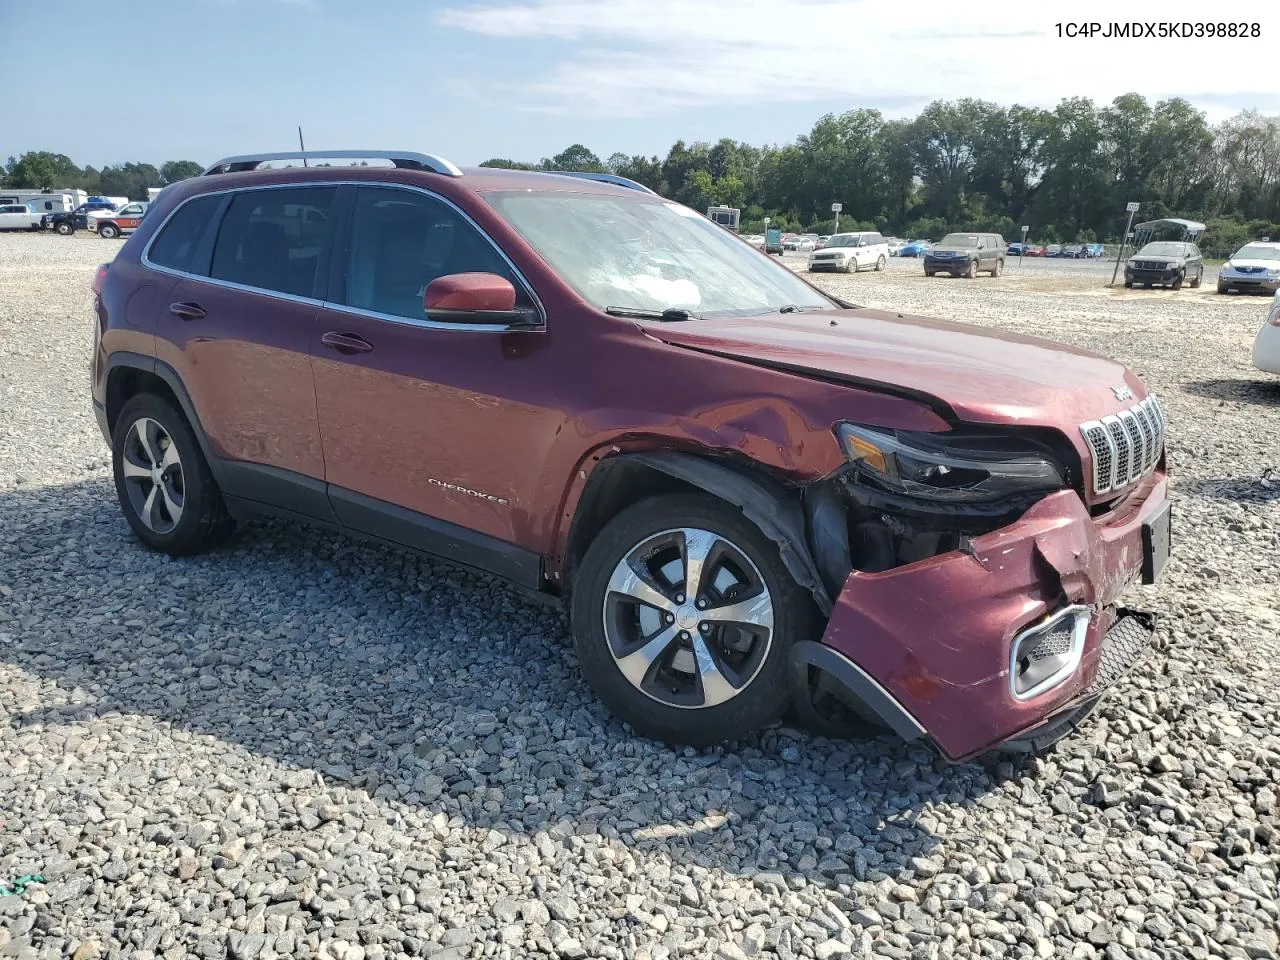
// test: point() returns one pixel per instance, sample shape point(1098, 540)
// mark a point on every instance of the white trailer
point(38, 198)
point(727, 217)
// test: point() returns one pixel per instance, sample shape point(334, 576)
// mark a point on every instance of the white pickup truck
point(17, 216)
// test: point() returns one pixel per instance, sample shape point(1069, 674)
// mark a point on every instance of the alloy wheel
point(688, 618)
point(153, 475)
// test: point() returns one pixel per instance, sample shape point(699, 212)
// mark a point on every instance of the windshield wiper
point(790, 308)
point(670, 315)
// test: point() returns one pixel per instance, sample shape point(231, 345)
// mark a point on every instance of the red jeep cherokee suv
point(751, 495)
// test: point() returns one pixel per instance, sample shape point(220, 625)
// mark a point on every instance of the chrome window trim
point(1081, 616)
point(409, 321)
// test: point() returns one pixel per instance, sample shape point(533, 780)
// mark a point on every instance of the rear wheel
point(108, 231)
point(163, 482)
point(683, 615)
point(1195, 284)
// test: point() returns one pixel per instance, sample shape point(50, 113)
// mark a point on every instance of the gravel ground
point(302, 746)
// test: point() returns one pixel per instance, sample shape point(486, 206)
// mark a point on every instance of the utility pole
point(302, 146)
point(1131, 208)
point(836, 208)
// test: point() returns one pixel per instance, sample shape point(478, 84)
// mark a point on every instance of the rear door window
point(275, 239)
point(176, 244)
point(401, 240)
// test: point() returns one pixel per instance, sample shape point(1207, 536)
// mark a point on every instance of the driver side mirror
point(474, 298)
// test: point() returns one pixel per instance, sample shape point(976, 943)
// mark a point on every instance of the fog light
point(1046, 654)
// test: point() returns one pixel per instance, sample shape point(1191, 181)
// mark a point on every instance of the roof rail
point(605, 178)
point(403, 159)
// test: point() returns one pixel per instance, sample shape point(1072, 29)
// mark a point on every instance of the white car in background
point(18, 216)
point(1266, 347)
point(1255, 266)
point(894, 244)
point(851, 252)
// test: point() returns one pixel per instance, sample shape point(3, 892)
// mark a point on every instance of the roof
point(1190, 227)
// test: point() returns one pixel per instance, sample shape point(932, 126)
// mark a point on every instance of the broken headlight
point(946, 467)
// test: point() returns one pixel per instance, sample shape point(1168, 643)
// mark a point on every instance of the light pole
point(1022, 249)
point(836, 208)
point(1131, 208)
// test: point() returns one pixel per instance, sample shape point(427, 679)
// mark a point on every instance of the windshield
point(1257, 251)
point(843, 240)
point(650, 255)
point(1164, 250)
point(959, 240)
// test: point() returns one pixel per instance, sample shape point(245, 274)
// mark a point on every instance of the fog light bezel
point(1080, 615)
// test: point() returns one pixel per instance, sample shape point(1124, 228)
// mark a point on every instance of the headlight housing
point(945, 468)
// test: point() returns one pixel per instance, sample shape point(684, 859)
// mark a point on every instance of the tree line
point(42, 170)
point(959, 165)
point(973, 165)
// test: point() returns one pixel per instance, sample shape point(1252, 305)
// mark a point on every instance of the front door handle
point(187, 311)
point(347, 343)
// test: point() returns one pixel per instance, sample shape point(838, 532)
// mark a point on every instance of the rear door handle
point(347, 343)
point(187, 311)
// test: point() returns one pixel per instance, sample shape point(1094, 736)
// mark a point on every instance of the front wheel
point(108, 231)
point(1223, 288)
point(683, 614)
point(881, 263)
point(851, 265)
point(1177, 282)
point(972, 270)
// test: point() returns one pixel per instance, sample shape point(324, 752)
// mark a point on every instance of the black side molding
point(448, 541)
point(860, 687)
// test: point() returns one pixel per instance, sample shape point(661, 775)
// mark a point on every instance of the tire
point(928, 273)
point(1128, 284)
point(1223, 289)
point(972, 270)
point(65, 229)
point(1177, 282)
point(995, 271)
point(108, 231)
point(202, 520)
point(881, 263)
point(851, 265)
point(667, 700)
point(1195, 284)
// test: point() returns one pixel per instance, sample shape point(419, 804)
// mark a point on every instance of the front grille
point(1150, 265)
point(1250, 269)
point(1125, 447)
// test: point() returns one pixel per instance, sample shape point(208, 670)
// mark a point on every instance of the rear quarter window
point(176, 245)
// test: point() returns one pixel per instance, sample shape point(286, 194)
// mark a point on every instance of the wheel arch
point(619, 481)
point(129, 374)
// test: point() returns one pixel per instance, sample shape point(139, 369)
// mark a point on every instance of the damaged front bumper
point(928, 648)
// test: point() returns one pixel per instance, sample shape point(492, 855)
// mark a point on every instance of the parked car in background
point(916, 248)
point(822, 242)
point(1093, 251)
point(1165, 263)
point(123, 221)
point(1266, 346)
point(851, 252)
point(1035, 250)
point(18, 216)
point(77, 219)
point(967, 255)
point(1015, 248)
point(1254, 267)
point(1053, 250)
point(895, 245)
point(925, 521)
point(795, 242)
point(755, 239)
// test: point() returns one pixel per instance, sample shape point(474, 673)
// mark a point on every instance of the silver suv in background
point(967, 255)
point(851, 252)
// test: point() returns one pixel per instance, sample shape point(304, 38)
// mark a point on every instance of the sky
point(156, 80)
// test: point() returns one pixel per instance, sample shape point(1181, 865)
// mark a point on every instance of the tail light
point(100, 278)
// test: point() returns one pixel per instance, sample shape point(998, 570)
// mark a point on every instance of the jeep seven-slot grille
point(1125, 447)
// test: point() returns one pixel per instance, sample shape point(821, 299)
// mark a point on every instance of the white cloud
point(638, 57)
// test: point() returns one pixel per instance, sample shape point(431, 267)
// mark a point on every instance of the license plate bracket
point(1157, 536)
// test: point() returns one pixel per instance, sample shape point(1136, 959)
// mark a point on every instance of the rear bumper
point(932, 641)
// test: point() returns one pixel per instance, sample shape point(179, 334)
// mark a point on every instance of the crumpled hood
point(977, 373)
